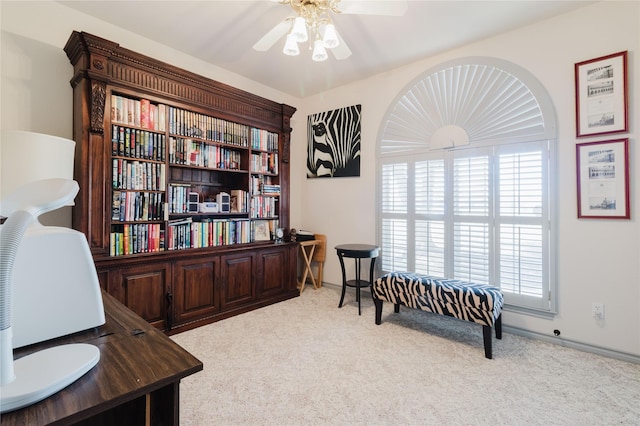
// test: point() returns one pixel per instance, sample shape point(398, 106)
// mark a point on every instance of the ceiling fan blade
point(373, 7)
point(275, 34)
point(341, 51)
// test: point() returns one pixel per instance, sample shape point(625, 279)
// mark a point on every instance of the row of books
point(263, 207)
point(185, 233)
point(138, 175)
point(128, 239)
point(198, 153)
point(239, 201)
point(136, 143)
point(134, 206)
point(257, 184)
point(178, 202)
point(266, 189)
point(146, 115)
point(138, 112)
point(136, 238)
point(264, 140)
point(193, 124)
point(264, 162)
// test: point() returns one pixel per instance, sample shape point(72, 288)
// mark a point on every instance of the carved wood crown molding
point(98, 97)
point(103, 60)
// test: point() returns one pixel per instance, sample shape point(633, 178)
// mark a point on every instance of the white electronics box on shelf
point(224, 202)
point(192, 205)
point(209, 207)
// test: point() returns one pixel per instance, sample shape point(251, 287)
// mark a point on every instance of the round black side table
point(357, 252)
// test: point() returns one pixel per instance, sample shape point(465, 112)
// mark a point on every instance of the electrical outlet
point(597, 310)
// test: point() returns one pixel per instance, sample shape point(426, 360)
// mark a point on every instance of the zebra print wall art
point(334, 143)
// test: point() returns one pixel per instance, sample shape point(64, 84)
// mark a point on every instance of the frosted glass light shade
point(299, 30)
point(291, 46)
point(319, 52)
point(330, 38)
point(28, 156)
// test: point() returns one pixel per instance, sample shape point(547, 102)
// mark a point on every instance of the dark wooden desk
point(136, 381)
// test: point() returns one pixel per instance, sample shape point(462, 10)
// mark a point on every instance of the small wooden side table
point(308, 248)
point(357, 252)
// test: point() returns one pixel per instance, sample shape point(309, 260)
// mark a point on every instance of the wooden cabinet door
point(145, 290)
point(195, 286)
point(236, 273)
point(272, 274)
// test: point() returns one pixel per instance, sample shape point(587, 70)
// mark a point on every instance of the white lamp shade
point(330, 38)
point(319, 52)
point(299, 30)
point(27, 157)
point(291, 46)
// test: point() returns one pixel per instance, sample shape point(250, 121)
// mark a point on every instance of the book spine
point(115, 209)
point(115, 133)
point(127, 141)
point(144, 113)
point(136, 113)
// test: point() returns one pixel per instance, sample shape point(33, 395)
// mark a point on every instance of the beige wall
point(598, 260)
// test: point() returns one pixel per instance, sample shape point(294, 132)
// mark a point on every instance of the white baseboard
point(572, 344)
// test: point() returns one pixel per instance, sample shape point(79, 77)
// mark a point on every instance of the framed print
point(601, 95)
point(261, 230)
point(334, 141)
point(603, 179)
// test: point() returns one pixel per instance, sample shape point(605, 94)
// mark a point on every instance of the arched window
point(466, 159)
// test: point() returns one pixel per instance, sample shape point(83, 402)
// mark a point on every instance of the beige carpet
point(306, 362)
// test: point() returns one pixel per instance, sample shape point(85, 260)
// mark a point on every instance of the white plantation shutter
point(430, 201)
point(522, 222)
point(394, 188)
point(395, 243)
point(481, 212)
point(471, 252)
point(395, 185)
point(471, 200)
point(430, 247)
point(521, 259)
point(471, 186)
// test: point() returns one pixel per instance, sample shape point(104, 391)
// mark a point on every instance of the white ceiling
point(223, 33)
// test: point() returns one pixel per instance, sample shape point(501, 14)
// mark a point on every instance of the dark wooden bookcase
point(186, 136)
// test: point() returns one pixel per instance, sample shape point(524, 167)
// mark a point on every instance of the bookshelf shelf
point(213, 169)
point(185, 162)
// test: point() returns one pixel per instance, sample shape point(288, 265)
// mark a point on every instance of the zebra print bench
point(467, 301)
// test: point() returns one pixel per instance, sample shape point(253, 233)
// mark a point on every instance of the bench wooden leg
point(378, 305)
point(486, 332)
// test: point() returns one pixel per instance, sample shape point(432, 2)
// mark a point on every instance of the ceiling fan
point(312, 22)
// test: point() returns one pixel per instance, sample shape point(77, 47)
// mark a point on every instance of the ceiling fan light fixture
point(319, 52)
point(291, 46)
point(330, 39)
point(312, 20)
point(299, 30)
